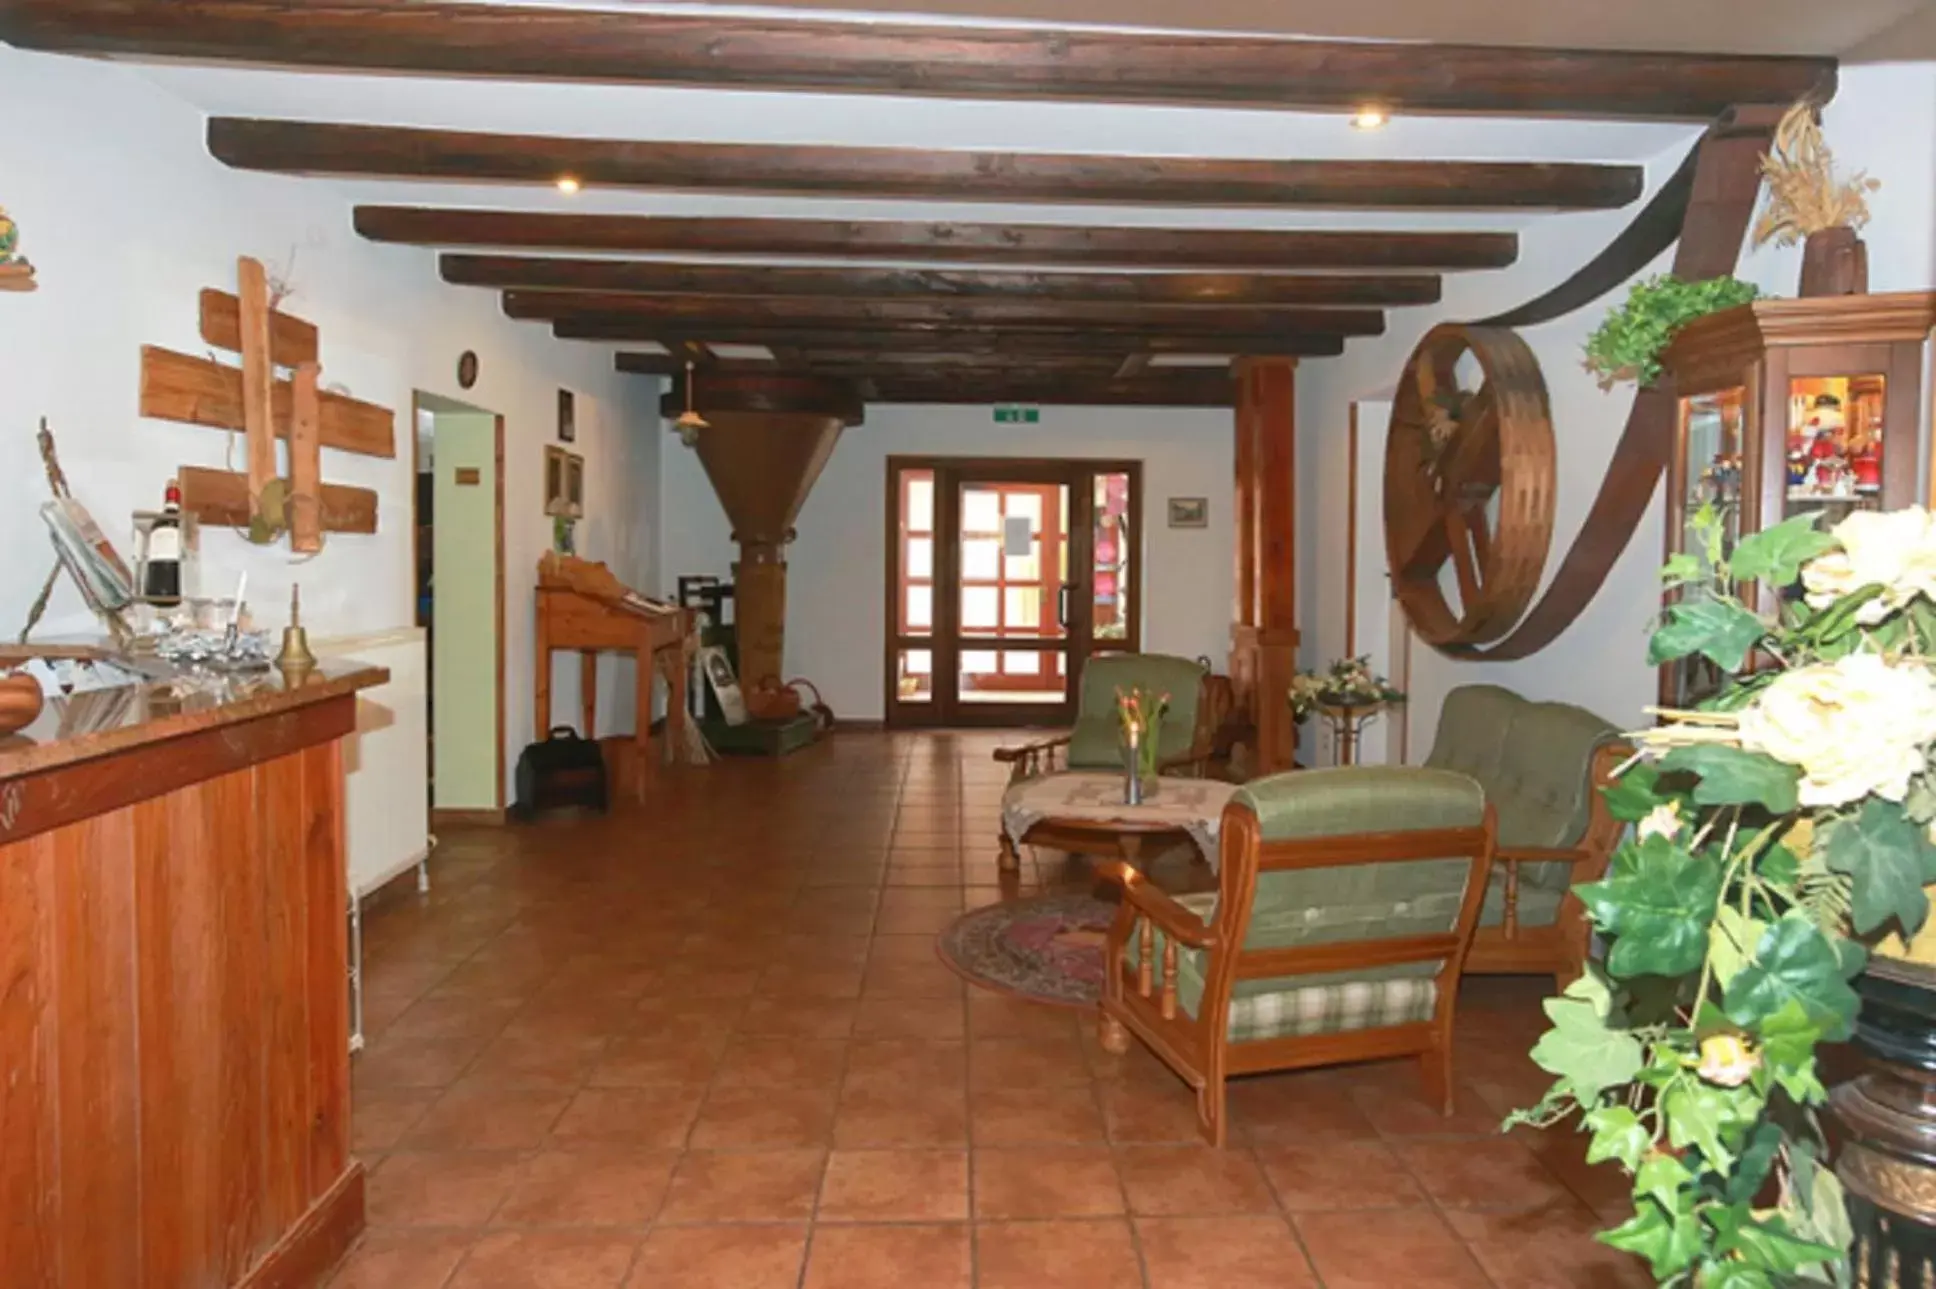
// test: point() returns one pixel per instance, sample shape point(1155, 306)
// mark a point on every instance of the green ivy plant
point(1630, 340)
point(1779, 832)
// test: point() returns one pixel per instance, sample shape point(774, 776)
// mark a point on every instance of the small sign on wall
point(469, 476)
point(1015, 414)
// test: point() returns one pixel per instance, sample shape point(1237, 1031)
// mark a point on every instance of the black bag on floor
point(561, 770)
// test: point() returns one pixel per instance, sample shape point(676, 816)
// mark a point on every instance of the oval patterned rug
point(1046, 948)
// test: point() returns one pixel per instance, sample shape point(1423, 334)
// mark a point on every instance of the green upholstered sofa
point(1541, 765)
point(1346, 901)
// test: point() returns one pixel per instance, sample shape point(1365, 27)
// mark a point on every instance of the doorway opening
point(459, 549)
point(1003, 578)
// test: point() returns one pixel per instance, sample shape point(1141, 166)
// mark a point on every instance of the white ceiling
point(732, 116)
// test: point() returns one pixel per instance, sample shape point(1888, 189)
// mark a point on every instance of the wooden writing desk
point(582, 606)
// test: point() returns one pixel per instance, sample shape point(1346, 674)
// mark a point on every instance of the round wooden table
point(1082, 812)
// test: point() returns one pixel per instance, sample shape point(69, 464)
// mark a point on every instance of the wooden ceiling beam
point(531, 43)
point(396, 152)
point(651, 278)
point(1144, 248)
point(977, 340)
point(692, 314)
point(886, 362)
point(1172, 389)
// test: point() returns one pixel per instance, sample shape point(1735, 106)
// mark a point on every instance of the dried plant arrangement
point(1804, 196)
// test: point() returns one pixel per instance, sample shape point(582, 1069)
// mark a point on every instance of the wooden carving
point(1469, 482)
point(202, 391)
point(1704, 212)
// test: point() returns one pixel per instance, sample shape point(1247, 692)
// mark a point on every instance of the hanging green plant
point(1631, 339)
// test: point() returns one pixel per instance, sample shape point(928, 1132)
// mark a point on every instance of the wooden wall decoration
point(201, 391)
point(1469, 481)
point(16, 274)
point(1714, 195)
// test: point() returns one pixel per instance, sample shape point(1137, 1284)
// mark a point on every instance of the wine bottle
point(162, 583)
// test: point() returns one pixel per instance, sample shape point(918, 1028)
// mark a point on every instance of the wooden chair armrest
point(1170, 917)
point(1010, 755)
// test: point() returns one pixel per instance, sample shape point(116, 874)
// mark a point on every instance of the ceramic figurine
point(16, 274)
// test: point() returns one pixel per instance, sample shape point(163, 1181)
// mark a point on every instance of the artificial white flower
point(1664, 820)
point(1726, 1061)
point(1856, 726)
point(1893, 549)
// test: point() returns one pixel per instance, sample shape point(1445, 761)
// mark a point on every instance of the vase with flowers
point(1348, 694)
point(1139, 715)
point(1773, 897)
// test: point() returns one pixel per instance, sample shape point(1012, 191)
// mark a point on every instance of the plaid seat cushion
point(1293, 1006)
point(1332, 1008)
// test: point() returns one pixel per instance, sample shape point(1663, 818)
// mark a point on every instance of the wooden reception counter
point(174, 1014)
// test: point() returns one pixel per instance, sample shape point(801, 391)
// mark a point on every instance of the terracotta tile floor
point(707, 1045)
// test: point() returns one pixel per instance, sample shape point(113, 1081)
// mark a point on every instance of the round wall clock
point(1469, 483)
point(467, 370)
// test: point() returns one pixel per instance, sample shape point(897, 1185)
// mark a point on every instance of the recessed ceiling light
point(1370, 118)
point(568, 185)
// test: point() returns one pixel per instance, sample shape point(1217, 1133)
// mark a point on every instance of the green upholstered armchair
point(1183, 747)
point(1346, 902)
point(1541, 765)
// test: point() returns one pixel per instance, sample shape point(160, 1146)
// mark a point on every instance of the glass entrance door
point(1004, 576)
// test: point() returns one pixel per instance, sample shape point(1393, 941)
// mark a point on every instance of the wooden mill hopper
point(766, 440)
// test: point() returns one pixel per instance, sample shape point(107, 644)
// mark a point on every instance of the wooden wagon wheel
point(1450, 454)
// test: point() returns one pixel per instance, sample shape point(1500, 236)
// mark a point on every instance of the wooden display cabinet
point(1787, 407)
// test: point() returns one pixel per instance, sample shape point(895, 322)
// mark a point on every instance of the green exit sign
point(1012, 414)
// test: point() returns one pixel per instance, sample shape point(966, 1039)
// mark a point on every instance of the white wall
point(1884, 119)
point(835, 614)
point(127, 218)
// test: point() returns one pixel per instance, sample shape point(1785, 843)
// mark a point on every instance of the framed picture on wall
point(567, 416)
point(1189, 512)
point(564, 475)
point(574, 485)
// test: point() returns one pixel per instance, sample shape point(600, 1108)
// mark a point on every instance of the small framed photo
point(1189, 512)
point(564, 484)
point(567, 416)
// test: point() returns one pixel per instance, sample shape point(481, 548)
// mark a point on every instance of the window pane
point(1025, 568)
point(981, 511)
point(979, 609)
point(1026, 505)
point(1111, 612)
point(981, 560)
point(1022, 664)
point(976, 662)
point(1024, 607)
point(920, 504)
point(920, 607)
point(915, 683)
point(920, 557)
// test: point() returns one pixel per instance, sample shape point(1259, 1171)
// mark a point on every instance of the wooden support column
point(1263, 637)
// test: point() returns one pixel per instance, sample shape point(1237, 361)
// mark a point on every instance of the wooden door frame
point(496, 814)
point(1080, 521)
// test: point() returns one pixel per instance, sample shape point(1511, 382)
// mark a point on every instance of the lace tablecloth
point(1194, 805)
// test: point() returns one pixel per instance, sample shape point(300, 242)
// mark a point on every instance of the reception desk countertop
point(88, 725)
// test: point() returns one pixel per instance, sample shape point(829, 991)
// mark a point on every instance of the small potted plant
point(1807, 204)
point(1630, 340)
